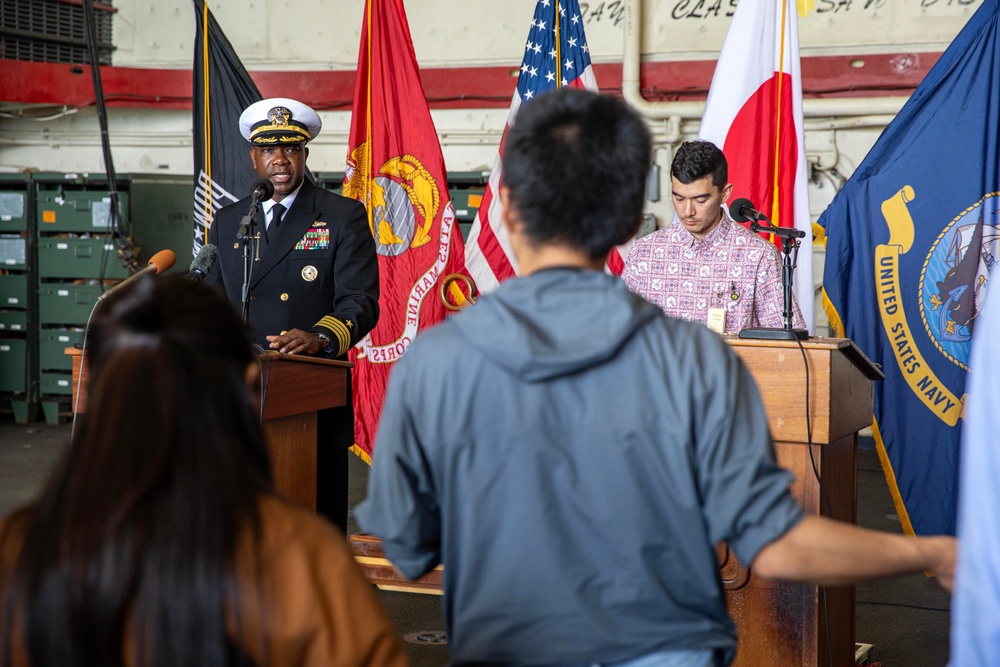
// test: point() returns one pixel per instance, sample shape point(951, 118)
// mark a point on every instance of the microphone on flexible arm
point(158, 263)
point(203, 262)
point(742, 210)
point(263, 189)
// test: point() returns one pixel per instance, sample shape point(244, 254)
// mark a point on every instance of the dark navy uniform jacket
point(317, 272)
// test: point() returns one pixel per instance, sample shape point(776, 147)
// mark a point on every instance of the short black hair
point(694, 160)
point(575, 164)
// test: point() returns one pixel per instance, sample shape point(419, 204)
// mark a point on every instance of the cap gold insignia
point(309, 273)
point(279, 116)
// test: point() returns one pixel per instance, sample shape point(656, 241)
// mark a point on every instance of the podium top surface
point(304, 359)
point(270, 354)
point(845, 346)
point(305, 384)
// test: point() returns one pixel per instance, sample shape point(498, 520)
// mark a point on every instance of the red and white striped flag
point(556, 55)
point(754, 114)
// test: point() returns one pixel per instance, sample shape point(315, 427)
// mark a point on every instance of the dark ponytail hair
point(130, 548)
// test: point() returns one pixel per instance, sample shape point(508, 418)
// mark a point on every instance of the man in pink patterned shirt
point(704, 267)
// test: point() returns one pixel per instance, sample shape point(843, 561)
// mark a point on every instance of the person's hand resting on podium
point(297, 341)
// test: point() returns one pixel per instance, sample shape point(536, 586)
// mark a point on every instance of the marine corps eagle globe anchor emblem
point(402, 200)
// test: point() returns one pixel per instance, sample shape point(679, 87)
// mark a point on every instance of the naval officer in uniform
point(314, 283)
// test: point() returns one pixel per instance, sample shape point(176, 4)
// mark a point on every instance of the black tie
point(276, 212)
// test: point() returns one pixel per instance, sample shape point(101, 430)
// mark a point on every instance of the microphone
point(263, 189)
point(158, 263)
point(203, 262)
point(742, 210)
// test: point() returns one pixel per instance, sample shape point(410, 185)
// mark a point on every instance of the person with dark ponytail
point(159, 539)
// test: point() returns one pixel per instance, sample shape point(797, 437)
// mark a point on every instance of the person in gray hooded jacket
point(572, 455)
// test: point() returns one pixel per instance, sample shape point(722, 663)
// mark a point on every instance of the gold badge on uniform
point(309, 273)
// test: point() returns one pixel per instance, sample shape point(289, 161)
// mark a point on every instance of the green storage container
point(465, 228)
point(14, 291)
point(60, 303)
point(466, 204)
point(330, 180)
point(78, 258)
point(12, 365)
point(68, 210)
point(12, 253)
point(55, 384)
point(13, 211)
point(52, 344)
point(161, 212)
point(13, 321)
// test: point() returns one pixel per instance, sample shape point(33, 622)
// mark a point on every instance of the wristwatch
point(328, 347)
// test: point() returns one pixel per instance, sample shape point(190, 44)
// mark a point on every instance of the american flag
point(555, 55)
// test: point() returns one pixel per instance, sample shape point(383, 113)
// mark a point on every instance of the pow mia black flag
point(222, 90)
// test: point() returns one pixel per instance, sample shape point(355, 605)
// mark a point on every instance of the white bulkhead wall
point(324, 35)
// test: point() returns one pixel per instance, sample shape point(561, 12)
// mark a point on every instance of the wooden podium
point(779, 624)
point(297, 388)
point(785, 624)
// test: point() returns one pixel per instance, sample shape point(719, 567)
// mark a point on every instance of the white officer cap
point(279, 120)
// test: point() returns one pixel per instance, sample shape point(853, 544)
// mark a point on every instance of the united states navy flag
point(222, 90)
point(911, 247)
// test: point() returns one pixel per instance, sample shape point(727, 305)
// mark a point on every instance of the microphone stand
point(789, 243)
point(251, 250)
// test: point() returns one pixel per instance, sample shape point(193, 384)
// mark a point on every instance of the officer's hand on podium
point(296, 341)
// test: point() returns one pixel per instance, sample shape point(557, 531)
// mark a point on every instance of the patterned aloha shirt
point(729, 268)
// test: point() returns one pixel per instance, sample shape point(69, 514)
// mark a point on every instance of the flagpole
point(206, 116)
point(366, 155)
point(776, 187)
point(558, 48)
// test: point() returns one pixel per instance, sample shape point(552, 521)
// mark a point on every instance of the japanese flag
point(754, 114)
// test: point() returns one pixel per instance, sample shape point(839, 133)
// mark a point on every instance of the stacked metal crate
point(58, 253)
point(467, 189)
point(16, 344)
point(77, 260)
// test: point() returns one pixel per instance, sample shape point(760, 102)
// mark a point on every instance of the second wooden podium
point(298, 387)
point(816, 398)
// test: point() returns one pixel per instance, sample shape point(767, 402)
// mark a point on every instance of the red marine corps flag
point(754, 114)
point(395, 168)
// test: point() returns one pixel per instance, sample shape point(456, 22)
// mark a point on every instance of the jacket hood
point(554, 322)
